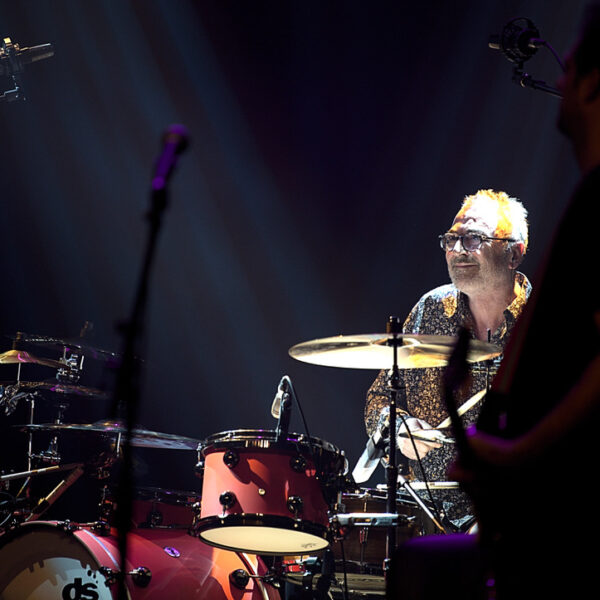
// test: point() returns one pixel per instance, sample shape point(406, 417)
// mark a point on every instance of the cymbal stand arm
point(406, 485)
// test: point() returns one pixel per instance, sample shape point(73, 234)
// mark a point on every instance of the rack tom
point(268, 496)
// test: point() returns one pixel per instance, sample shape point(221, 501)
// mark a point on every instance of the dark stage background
point(331, 143)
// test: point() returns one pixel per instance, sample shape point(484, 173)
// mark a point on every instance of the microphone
point(373, 452)
point(13, 57)
point(281, 408)
point(517, 42)
point(281, 389)
point(174, 141)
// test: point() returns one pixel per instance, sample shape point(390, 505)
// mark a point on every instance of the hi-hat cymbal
point(14, 357)
point(371, 351)
point(141, 438)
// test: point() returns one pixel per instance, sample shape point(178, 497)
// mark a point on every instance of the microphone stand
point(127, 387)
point(525, 80)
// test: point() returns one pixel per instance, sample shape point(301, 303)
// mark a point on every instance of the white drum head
point(47, 564)
point(263, 540)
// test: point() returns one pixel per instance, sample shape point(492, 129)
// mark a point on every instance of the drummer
point(483, 248)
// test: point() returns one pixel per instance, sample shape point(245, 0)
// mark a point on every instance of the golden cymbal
point(372, 351)
point(15, 357)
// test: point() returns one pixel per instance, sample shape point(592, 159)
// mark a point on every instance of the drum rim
point(262, 520)
point(68, 529)
point(264, 439)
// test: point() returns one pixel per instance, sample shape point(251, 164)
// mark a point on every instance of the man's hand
point(405, 444)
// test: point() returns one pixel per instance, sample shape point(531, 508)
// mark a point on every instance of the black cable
point(434, 505)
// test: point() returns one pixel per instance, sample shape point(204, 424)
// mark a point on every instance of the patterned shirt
point(442, 311)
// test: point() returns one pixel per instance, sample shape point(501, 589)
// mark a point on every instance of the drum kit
point(277, 516)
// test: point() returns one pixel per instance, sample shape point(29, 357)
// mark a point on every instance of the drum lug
point(239, 578)
point(231, 458)
point(101, 527)
point(110, 575)
point(295, 504)
point(298, 464)
point(227, 500)
point(141, 576)
point(68, 526)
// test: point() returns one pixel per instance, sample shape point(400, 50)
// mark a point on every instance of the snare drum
point(266, 496)
point(363, 548)
point(54, 561)
point(359, 551)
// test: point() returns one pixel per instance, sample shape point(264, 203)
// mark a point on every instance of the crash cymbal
point(15, 357)
point(58, 387)
point(75, 345)
point(141, 438)
point(371, 351)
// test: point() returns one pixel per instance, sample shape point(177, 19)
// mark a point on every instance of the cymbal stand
point(393, 328)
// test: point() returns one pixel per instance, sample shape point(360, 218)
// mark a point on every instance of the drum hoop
point(257, 519)
point(60, 527)
point(263, 439)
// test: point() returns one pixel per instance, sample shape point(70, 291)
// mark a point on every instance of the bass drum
point(56, 561)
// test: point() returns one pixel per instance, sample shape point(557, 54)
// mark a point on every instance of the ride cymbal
point(371, 351)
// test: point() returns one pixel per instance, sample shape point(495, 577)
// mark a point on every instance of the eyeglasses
point(470, 241)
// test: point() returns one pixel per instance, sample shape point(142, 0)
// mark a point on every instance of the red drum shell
point(42, 561)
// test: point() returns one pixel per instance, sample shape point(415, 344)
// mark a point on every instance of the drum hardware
point(140, 576)
point(371, 520)
point(8, 505)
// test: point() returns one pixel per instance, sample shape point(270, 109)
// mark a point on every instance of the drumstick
point(470, 403)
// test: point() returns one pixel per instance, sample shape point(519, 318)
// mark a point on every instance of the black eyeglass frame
point(483, 238)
